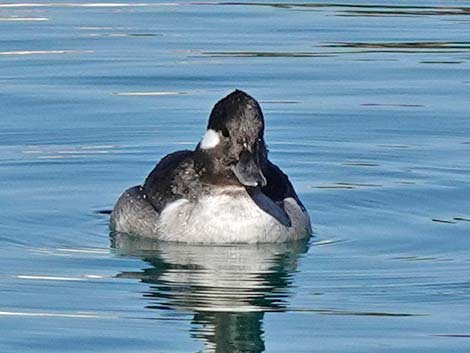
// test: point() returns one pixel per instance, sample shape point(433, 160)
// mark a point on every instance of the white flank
point(230, 215)
point(209, 140)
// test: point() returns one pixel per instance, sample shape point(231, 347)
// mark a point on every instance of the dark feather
point(173, 178)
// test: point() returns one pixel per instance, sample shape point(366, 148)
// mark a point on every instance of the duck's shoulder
point(278, 186)
point(171, 164)
point(173, 178)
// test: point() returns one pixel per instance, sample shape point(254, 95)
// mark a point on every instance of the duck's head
point(233, 145)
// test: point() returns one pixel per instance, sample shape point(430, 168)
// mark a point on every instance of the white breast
point(229, 215)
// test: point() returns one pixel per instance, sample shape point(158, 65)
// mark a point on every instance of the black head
point(238, 115)
point(233, 144)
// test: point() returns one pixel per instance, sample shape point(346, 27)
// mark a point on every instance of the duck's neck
point(212, 170)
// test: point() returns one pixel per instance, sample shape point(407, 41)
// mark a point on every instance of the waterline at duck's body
point(226, 215)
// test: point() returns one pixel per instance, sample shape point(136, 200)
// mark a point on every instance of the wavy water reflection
point(227, 289)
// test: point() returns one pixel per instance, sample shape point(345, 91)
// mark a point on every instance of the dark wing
point(173, 178)
point(278, 186)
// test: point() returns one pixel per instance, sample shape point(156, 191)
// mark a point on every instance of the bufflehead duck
point(225, 191)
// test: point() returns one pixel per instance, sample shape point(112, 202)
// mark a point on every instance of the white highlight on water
point(149, 93)
point(59, 278)
point(42, 52)
point(98, 4)
point(22, 19)
point(65, 315)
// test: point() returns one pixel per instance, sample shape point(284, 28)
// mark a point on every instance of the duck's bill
point(248, 171)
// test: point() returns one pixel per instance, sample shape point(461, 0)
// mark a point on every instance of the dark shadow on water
point(264, 54)
point(347, 48)
point(227, 288)
point(401, 45)
point(354, 9)
point(404, 47)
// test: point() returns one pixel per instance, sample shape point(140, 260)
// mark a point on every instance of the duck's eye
point(225, 132)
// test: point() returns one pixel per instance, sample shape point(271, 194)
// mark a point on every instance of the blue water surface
point(367, 110)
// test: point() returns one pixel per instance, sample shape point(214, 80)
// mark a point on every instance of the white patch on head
point(209, 140)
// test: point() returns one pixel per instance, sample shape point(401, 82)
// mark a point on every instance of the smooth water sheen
point(367, 109)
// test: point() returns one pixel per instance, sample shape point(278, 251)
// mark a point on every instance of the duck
point(224, 191)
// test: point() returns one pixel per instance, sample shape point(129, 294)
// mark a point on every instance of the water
point(367, 110)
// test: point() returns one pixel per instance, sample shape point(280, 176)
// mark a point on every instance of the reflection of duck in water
point(225, 191)
point(228, 288)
